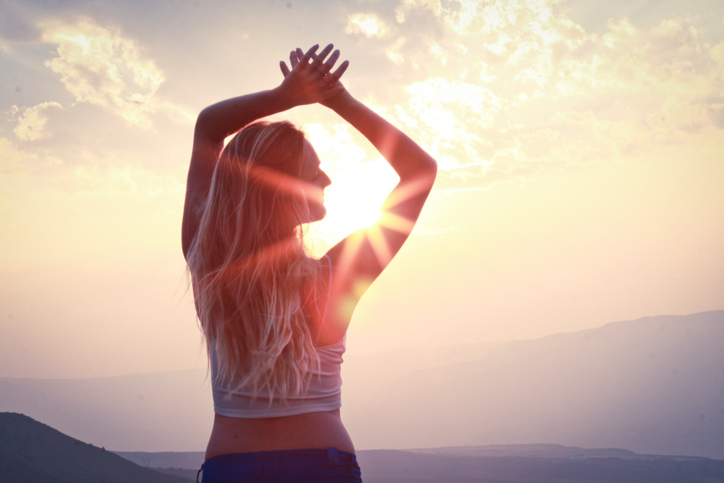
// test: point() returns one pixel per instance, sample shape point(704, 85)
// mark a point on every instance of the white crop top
point(324, 392)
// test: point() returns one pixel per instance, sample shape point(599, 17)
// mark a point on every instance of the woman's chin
point(318, 213)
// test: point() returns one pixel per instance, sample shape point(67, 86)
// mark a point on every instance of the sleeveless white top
point(323, 394)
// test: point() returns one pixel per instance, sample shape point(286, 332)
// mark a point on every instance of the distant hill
point(503, 463)
point(31, 452)
point(533, 464)
point(653, 385)
point(136, 412)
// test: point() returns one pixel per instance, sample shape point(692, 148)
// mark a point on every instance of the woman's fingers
point(308, 54)
point(285, 69)
point(319, 58)
point(330, 62)
point(315, 69)
point(293, 59)
point(335, 76)
point(314, 60)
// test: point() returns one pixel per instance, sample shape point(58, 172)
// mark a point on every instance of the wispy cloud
point(103, 67)
point(527, 88)
point(81, 142)
point(32, 121)
point(369, 25)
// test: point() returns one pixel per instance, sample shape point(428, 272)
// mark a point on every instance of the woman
point(274, 319)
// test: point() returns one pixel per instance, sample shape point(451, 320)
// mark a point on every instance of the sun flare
point(354, 199)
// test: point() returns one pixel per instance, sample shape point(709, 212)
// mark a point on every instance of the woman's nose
point(326, 181)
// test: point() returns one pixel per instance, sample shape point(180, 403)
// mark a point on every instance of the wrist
point(341, 102)
point(281, 99)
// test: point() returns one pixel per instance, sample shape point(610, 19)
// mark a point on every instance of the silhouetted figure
point(274, 318)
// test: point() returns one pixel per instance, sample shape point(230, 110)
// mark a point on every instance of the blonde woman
point(273, 317)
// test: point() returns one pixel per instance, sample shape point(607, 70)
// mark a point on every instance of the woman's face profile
point(314, 182)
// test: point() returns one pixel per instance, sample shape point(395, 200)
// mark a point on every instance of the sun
point(356, 210)
point(354, 199)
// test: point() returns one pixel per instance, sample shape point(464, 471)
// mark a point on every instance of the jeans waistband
point(269, 463)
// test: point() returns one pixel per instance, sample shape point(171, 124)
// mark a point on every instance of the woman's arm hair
point(304, 84)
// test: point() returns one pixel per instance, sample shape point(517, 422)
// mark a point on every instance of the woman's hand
point(310, 80)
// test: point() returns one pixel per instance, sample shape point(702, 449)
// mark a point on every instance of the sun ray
point(379, 244)
point(396, 222)
point(406, 191)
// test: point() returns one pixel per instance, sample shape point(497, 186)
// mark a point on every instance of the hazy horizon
point(652, 386)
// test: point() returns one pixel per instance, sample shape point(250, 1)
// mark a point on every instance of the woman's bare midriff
point(303, 431)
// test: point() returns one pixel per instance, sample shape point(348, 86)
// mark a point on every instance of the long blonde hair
point(248, 264)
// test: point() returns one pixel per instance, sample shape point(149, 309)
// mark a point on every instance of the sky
point(580, 147)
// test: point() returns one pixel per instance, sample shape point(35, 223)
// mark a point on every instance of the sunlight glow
point(355, 197)
point(379, 245)
point(349, 303)
point(396, 222)
point(368, 25)
point(78, 39)
point(352, 207)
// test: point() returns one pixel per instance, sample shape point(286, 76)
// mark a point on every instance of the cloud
point(32, 121)
point(447, 117)
point(393, 51)
point(369, 25)
point(717, 53)
point(406, 6)
point(104, 68)
point(501, 90)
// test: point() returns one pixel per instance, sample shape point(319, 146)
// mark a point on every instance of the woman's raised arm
point(417, 171)
point(359, 259)
point(304, 84)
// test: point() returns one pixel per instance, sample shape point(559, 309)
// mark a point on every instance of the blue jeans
point(287, 466)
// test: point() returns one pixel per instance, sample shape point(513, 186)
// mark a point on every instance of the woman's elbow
point(423, 172)
point(204, 118)
point(430, 169)
point(207, 127)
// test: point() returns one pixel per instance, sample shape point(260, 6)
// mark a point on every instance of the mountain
point(533, 464)
point(653, 385)
point(502, 463)
point(132, 412)
point(31, 452)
